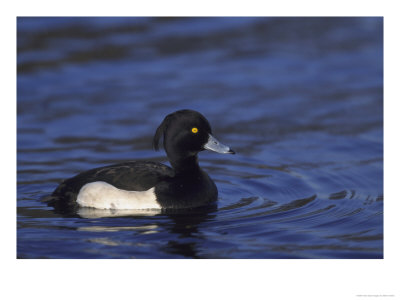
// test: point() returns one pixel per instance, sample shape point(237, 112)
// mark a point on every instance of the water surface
point(299, 99)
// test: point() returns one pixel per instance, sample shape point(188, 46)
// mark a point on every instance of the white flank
point(94, 213)
point(102, 195)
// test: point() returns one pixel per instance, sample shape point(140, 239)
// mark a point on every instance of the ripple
point(241, 203)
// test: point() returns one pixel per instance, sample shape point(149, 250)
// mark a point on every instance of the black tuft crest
point(160, 132)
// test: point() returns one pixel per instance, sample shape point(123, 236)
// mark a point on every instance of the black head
point(187, 132)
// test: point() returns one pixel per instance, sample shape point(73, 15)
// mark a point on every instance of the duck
point(147, 185)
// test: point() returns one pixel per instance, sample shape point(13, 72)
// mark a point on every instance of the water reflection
point(181, 233)
point(144, 229)
point(185, 227)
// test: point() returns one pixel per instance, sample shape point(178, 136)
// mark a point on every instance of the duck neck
point(187, 165)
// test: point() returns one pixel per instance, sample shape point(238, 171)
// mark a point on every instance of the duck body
point(150, 185)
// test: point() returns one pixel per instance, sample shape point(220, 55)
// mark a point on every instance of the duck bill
point(214, 145)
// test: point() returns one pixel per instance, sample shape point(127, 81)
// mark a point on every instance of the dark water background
point(299, 99)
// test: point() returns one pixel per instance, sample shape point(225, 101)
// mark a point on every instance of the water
point(299, 99)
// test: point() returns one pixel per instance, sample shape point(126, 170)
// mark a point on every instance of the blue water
point(299, 99)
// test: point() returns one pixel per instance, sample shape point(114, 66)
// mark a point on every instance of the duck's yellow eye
point(194, 130)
